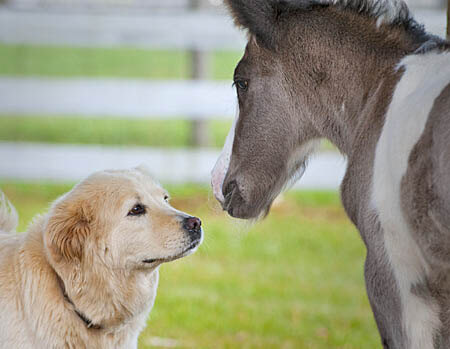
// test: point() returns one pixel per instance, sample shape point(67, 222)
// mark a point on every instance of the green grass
point(24, 60)
point(294, 280)
point(137, 132)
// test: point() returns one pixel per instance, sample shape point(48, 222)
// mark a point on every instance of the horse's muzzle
point(235, 203)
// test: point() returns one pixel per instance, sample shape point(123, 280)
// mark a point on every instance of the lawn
point(25, 60)
point(294, 280)
point(107, 131)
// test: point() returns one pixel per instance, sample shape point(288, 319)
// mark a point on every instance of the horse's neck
point(360, 65)
point(351, 111)
point(365, 121)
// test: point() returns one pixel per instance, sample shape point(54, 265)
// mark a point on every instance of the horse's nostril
point(228, 189)
point(192, 223)
point(233, 198)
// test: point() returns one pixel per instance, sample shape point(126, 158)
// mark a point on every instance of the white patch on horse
point(424, 78)
point(220, 169)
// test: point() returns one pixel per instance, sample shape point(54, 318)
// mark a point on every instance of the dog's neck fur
point(120, 304)
point(111, 305)
point(89, 323)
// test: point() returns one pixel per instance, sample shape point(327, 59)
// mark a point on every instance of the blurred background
point(87, 85)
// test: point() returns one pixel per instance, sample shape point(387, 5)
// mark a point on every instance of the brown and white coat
point(366, 76)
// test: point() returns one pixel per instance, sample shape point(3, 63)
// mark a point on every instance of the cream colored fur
point(8, 215)
point(98, 251)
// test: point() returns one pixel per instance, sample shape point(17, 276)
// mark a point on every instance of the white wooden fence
point(197, 99)
point(196, 31)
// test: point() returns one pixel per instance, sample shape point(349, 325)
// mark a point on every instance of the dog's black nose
point(192, 224)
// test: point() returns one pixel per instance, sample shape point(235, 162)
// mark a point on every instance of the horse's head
point(272, 136)
point(311, 69)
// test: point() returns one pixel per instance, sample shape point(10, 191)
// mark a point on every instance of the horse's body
point(364, 75)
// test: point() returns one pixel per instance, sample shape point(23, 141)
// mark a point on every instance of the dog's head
point(120, 219)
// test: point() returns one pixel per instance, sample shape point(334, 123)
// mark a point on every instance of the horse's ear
point(258, 16)
point(67, 228)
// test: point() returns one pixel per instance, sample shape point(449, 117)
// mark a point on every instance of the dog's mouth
point(187, 251)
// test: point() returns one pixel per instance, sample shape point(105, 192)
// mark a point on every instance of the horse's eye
point(137, 210)
point(241, 84)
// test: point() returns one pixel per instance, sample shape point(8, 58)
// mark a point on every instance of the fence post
point(199, 71)
point(448, 19)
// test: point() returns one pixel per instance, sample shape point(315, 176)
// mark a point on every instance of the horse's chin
point(247, 211)
point(259, 206)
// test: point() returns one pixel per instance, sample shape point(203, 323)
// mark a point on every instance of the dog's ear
point(259, 17)
point(67, 228)
point(143, 168)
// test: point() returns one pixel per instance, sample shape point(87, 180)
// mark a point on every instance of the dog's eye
point(166, 197)
point(137, 210)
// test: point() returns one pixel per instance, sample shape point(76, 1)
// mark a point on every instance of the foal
point(366, 76)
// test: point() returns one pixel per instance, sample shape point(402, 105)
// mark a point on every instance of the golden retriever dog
point(85, 274)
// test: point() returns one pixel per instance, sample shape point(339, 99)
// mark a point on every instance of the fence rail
point(116, 98)
point(34, 161)
point(201, 30)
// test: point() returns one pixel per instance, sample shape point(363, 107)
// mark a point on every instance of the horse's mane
point(261, 15)
point(385, 11)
